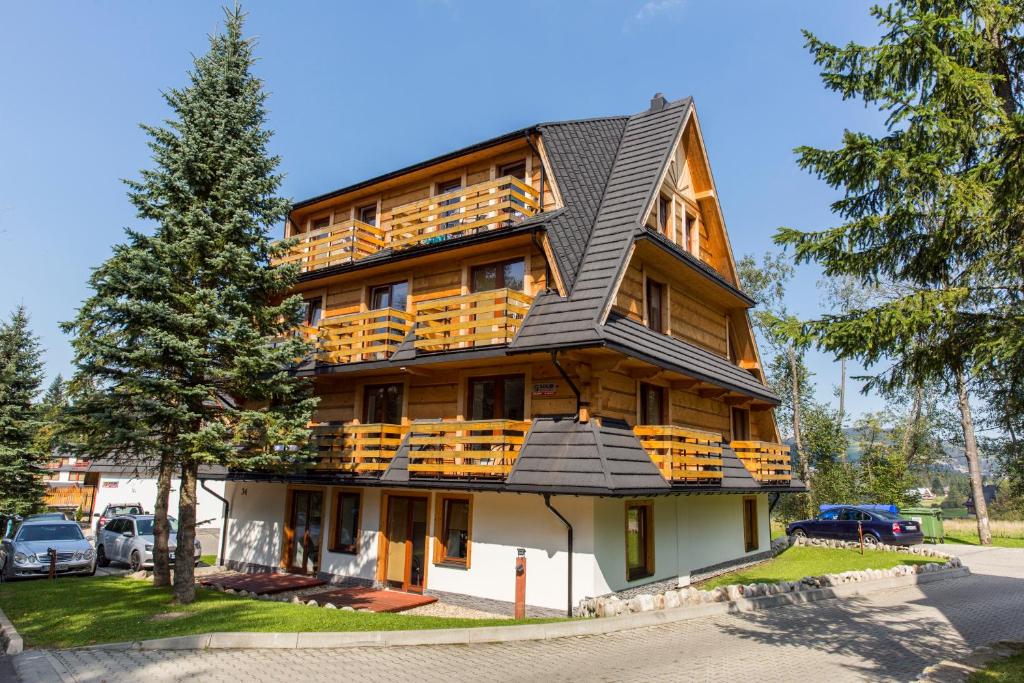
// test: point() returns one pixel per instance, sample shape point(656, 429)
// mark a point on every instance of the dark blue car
point(841, 523)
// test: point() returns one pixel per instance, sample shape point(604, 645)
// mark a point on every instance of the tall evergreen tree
point(51, 417)
point(925, 204)
point(21, 375)
point(177, 331)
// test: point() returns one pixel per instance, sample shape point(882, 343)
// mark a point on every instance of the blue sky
point(357, 89)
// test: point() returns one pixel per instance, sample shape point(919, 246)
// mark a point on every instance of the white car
point(129, 539)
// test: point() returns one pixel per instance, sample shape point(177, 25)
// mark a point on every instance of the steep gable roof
point(643, 151)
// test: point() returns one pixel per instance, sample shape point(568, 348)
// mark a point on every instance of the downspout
point(224, 520)
point(774, 499)
point(580, 403)
point(568, 527)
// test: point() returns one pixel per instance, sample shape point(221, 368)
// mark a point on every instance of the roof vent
point(658, 102)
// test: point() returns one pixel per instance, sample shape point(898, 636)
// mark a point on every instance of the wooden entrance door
point(305, 526)
point(406, 543)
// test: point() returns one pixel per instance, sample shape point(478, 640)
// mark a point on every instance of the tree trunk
point(185, 553)
point(842, 400)
point(795, 379)
point(973, 464)
point(161, 527)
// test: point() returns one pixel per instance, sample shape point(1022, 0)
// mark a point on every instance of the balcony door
point(445, 188)
point(509, 274)
point(652, 405)
point(382, 403)
point(502, 397)
point(393, 295)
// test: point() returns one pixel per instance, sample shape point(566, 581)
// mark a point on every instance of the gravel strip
point(441, 609)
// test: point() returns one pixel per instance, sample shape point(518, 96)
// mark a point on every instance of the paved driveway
point(891, 635)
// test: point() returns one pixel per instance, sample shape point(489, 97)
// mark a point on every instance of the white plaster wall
point(503, 522)
point(610, 530)
point(113, 488)
point(711, 530)
point(256, 522)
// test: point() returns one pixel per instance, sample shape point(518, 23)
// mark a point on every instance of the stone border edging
point(504, 634)
point(9, 637)
point(950, 670)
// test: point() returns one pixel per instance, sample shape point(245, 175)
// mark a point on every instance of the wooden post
point(860, 534)
point(52, 553)
point(520, 611)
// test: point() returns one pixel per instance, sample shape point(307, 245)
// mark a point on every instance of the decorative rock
point(671, 599)
point(330, 605)
point(659, 601)
point(230, 591)
point(296, 600)
point(312, 603)
point(347, 608)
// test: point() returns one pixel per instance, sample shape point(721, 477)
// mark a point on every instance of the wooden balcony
point(339, 243)
point(485, 206)
point(358, 448)
point(768, 463)
point(471, 320)
point(367, 335)
point(485, 449)
point(684, 456)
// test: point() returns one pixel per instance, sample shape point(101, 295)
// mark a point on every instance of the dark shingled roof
point(643, 151)
point(634, 339)
point(735, 474)
point(561, 454)
point(147, 468)
point(581, 154)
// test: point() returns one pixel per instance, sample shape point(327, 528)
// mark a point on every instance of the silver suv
point(129, 539)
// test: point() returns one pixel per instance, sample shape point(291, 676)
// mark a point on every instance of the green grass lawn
point(972, 539)
point(208, 559)
point(71, 612)
point(1010, 670)
point(796, 563)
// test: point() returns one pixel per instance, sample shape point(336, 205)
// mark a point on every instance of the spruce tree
point(926, 206)
point(52, 407)
point(178, 329)
point(21, 374)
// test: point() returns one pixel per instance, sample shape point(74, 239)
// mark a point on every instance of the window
point(392, 295)
point(655, 305)
point(444, 188)
point(740, 424)
point(368, 214)
point(511, 274)
point(497, 398)
point(516, 170)
point(346, 523)
point(639, 540)
point(750, 542)
point(652, 405)
point(688, 225)
point(454, 528)
point(320, 223)
point(663, 213)
point(382, 403)
point(829, 515)
point(312, 311)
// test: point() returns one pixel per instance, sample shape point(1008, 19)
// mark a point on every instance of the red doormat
point(261, 583)
point(373, 600)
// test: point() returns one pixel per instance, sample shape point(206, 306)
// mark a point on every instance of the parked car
point(114, 509)
point(26, 552)
point(879, 526)
point(129, 539)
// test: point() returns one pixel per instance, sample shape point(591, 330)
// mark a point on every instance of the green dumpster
point(930, 520)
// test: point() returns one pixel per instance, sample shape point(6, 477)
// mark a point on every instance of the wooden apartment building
point(542, 331)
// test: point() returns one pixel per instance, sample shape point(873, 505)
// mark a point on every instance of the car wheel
point(101, 557)
point(92, 572)
point(799, 533)
point(871, 539)
point(136, 561)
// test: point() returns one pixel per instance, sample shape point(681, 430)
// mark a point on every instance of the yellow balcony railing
point(485, 206)
point(683, 455)
point(768, 463)
point(480, 319)
point(466, 448)
point(339, 243)
point(359, 448)
point(367, 335)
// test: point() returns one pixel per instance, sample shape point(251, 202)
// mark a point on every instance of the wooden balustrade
point(467, 448)
point(683, 455)
point(469, 320)
point(76, 496)
point(339, 243)
point(485, 206)
point(367, 335)
point(361, 448)
point(768, 463)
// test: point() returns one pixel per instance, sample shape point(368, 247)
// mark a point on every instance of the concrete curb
point(505, 634)
point(9, 638)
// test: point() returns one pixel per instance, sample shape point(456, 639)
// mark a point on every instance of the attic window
point(688, 225)
point(515, 170)
point(320, 223)
point(368, 214)
point(663, 214)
